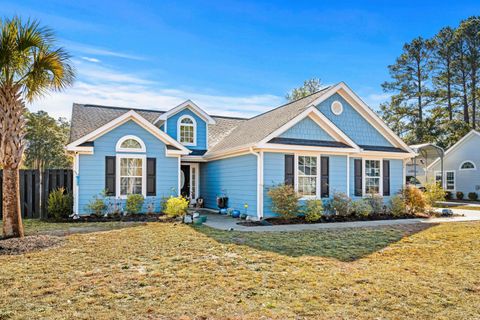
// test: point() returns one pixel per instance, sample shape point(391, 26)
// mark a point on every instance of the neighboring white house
point(461, 166)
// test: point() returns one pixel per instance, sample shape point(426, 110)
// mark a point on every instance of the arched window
point(467, 165)
point(130, 144)
point(187, 127)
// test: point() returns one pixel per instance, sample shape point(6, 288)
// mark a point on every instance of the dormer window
point(187, 130)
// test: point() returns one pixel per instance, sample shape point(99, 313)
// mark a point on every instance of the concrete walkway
point(221, 222)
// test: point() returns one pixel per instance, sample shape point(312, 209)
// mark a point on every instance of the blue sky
point(231, 57)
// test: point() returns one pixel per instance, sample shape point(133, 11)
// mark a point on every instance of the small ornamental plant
point(397, 206)
point(134, 203)
point(433, 193)
point(341, 204)
point(313, 210)
point(60, 204)
point(362, 208)
point(176, 207)
point(414, 200)
point(473, 196)
point(284, 200)
point(97, 206)
point(459, 195)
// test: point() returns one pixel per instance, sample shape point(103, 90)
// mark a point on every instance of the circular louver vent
point(337, 108)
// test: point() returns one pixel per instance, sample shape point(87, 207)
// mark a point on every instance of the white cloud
point(94, 60)
point(99, 51)
point(375, 99)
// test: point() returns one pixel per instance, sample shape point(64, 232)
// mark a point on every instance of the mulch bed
point(27, 244)
point(301, 220)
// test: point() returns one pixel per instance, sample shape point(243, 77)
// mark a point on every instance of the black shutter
point(358, 177)
point(289, 169)
point(386, 177)
point(110, 181)
point(151, 176)
point(324, 167)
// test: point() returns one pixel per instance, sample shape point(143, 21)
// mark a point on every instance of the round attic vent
point(337, 107)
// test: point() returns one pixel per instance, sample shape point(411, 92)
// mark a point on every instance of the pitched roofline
point(342, 85)
point(186, 104)
point(455, 146)
point(130, 115)
point(117, 108)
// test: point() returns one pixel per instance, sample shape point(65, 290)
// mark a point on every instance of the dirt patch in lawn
point(27, 244)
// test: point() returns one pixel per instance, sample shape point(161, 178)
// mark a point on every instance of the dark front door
point(185, 181)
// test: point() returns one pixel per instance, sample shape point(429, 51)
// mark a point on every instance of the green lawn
point(167, 271)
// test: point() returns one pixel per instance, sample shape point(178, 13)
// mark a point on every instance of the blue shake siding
point(236, 177)
point(92, 167)
point(307, 129)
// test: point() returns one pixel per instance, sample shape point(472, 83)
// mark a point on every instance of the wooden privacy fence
point(35, 189)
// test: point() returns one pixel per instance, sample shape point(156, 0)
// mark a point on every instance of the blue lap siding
point(236, 177)
point(91, 179)
point(172, 126)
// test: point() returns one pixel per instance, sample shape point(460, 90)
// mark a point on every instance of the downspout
point(259, 156)
point(76, 173)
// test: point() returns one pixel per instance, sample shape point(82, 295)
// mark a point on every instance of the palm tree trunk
point(12, 132)
point(12, 214)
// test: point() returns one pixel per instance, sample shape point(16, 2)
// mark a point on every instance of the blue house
point(327, 142)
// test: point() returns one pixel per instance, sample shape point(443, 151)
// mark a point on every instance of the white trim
point(318, 176)
point(192, 165)
point(454, 180)
point(119, 148)
point(366, 113)
point(338, 103)
point(467, 169)
point(348, 175)
point(455, 146)
point(435, 178)
point(193, 124)
point(320, 119)
point(364, 186)
point(84, 150)
point(275, 146)
point(193, 159)
point(187, 104)
point(76, 187)
point(130, 115)
point(120, 156)
point(260, 203)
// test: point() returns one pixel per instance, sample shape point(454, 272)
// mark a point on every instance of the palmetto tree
point(30, 66)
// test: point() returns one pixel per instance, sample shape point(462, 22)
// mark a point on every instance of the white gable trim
point(190, 105)
point(455, 146)
point(324, 123)
point(130, 115)
point(363, 109)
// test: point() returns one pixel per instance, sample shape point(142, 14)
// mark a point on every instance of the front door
point(185, 181)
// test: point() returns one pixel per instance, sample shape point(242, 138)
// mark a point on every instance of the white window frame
point(318, 180)
point(118, 147)
point(364, 170)
point(193, 166)
point(454, 180)
point(144, 173)
point(194, 125)
point(436, 174)
point(467, 169)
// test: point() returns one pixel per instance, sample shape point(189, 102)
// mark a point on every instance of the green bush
point(134, 203)
point(176, 206)
point(433, 193)
point(414, 200)
point(313, 210)
point(397, 206)
point(362, 208)
point(284, 200)
point(459, 195)
point(341, 204)
point(377, 204)
point(60, 204)
point(97, 205)
point(448, 195)
point(473, 196)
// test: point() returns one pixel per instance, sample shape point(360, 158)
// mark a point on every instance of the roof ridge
point(290, 102)
point(229, 117)
point(115, 107)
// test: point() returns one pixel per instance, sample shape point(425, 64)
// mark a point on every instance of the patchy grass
point(476, 208)
point(35, 227)
point(168, 271)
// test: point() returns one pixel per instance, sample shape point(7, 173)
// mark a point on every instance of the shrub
point(377, 204)
point(362, 208)
point(284, 200)
point(473, 196)
point(176, 206)
point(97, 205)
point(414, 200)
point(134, 203)
point(397, 206)
point(60, 204)
point(459, 195)
point(341, 204)
point(433, 193)
point(313, 210)
point(448, 195)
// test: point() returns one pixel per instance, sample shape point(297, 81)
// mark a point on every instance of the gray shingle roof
point(227, 133)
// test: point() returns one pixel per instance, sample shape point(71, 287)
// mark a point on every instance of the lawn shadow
point(341, 244)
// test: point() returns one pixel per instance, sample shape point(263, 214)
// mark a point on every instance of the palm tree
point(30, 67)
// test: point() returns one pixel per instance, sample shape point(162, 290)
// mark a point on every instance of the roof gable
point(190, 105)
point(456, 146)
